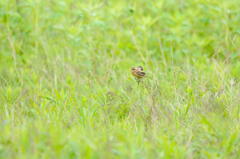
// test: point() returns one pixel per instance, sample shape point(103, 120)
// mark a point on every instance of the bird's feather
point(140, 73)
point(140, 68)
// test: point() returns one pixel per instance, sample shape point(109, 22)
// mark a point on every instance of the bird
point(138, 72)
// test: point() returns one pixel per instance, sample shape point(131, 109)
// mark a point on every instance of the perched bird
point(138, 72)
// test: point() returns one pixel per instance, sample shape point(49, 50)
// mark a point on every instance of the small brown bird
point(138, 72)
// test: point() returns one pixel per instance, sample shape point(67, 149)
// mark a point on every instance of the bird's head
point(132, 69)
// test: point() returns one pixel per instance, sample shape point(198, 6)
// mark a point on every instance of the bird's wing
point(140, 67)
point(140, 73)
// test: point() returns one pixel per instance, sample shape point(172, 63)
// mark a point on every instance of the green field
point(66, 90)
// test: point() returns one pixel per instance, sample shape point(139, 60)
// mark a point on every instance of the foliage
point(66, 90)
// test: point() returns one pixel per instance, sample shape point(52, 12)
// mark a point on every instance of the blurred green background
point(66, 90)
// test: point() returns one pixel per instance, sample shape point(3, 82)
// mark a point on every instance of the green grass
point(66, 90)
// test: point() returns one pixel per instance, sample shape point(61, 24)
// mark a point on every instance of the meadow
point(66, 90)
